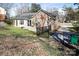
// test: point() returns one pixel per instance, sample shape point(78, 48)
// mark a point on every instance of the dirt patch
point(9, 46)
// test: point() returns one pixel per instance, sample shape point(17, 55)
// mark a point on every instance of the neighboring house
point(32, 21)
point(2, 17)
point(2, 14)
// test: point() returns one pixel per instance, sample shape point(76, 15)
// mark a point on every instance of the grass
point(44, 35)
point(14, 31)
point(26, 43)
point(22, 42)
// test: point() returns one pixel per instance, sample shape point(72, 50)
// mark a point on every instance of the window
point(21, 22)
point(29, 22)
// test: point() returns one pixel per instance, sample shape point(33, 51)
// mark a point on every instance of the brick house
point(33, 21)
point(2, 14)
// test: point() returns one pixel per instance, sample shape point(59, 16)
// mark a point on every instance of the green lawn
point(15, 31)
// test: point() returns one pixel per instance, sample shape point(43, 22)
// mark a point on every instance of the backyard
point(22, 42)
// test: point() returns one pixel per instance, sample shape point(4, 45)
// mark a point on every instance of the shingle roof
point(48, 13)
point(25, 16)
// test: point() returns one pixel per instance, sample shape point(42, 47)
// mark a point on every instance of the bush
point(8, 21)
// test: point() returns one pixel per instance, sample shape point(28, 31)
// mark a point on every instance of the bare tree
point(70, 14)
point(22, 8)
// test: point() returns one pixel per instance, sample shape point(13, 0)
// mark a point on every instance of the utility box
point(74, 39)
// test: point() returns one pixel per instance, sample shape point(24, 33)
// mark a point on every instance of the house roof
point(48, 13)
point(27, 16)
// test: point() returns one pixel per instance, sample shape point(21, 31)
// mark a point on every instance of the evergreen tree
point(35, 7)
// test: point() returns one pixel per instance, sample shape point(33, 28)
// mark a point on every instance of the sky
point(46, 6)
point(56, 5)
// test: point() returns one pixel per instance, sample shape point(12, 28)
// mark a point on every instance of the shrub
point(8, 21)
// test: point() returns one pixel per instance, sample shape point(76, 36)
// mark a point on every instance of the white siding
point(25, 23)
point(19, 25)
point(25, 26)
point(14, 23)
